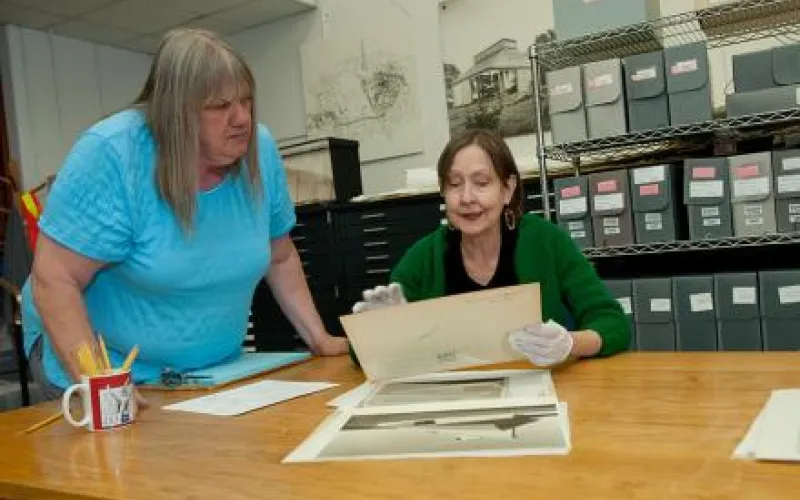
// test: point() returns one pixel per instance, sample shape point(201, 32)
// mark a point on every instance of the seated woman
point(489, 243)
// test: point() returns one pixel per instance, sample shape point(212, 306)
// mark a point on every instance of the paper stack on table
point(775, 433)
point(416, 405)
point(464, 414)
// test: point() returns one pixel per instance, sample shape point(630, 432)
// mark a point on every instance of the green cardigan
point(571, 292)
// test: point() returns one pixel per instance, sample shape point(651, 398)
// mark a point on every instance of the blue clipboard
point(245, 366)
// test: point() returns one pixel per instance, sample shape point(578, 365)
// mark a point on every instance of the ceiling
point(138, 24)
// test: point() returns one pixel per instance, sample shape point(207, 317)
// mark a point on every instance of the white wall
point(54, 87)
point(273, 51)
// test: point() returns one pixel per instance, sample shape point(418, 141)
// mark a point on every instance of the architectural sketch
point(366, 89)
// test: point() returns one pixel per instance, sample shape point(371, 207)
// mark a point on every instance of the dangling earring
point(450, 225)
point(511, 220)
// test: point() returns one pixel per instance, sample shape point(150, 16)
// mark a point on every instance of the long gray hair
point(191, 68)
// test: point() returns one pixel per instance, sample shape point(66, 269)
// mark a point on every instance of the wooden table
point(644, 425)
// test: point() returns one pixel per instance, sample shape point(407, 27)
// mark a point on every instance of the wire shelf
point(692, 246)
point(718, 26)
point(671, 139)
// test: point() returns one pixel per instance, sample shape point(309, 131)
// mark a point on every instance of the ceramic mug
point(108, 401)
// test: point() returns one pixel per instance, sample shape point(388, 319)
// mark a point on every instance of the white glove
point(380, 297)
point(544, 344)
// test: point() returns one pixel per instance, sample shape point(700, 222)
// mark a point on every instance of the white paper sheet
point(775, 432)
point(352, 397)
point(746, 449)
point(249, 397)
point(779, 436)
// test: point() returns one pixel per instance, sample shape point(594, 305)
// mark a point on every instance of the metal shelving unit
point(718, 26)
point(692, 246)
point(669, 139)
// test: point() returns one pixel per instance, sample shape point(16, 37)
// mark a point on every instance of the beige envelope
point(447, 333)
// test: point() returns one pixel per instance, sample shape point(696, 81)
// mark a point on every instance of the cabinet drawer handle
point(377, 215)
point(305, 263)
point(378, 271)
point(299, 224)
point(302, 250)
point(298, 238)
point(374, 229)
point(377, 257)
point(369, 244)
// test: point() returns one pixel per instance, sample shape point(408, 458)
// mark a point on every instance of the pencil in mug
point(89, 366)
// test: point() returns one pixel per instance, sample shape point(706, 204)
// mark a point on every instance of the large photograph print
point(447, 432)
point(499, 428)
point(487, 70)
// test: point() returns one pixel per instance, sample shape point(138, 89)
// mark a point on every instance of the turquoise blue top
point(184, 298)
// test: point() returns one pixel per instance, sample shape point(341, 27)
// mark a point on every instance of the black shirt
point(455, 274)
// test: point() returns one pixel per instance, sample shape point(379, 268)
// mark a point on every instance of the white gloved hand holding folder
point(544, 344)
point(380, 297)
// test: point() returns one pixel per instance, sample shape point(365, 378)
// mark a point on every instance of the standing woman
point(489, 243)
point(162, 221)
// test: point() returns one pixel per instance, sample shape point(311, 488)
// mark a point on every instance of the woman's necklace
point(479, 270)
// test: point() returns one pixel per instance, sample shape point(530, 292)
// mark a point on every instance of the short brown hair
point(497, 150)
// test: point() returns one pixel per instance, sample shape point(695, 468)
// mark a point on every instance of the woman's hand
point(380, 297)
point(544, 344)
point(330, 345)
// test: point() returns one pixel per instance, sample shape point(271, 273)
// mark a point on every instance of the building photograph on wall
point(487, 71)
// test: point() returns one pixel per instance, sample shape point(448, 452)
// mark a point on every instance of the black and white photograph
point(463, 386)
point(513, 427)
point(487, 71)
point(437, 390)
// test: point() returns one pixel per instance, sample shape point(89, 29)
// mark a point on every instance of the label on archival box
point(706, 189)
point(789, 294)
point(700, 302)
point(660, 305)
point(744, 295)
point(613, 201)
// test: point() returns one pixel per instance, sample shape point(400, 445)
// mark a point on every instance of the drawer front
point(370, 261)
point(390, 220)
point(311, 237)
point(364, 245)
point(313, 249)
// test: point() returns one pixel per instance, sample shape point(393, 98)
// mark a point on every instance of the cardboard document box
point(752, 194)
point(646, 91)
point(572, 209)
point(605, 98)
point(567, 106)
point(786, 169)
point(576, 18)
point(695, 316)
point(762, 101)
point(622, 290)
point(753, 71)
point(738, 312)
point(611, 208)
point(655, 204)
point(780, 305)
point(707, 198)
point(653, 315)
point(688, 83)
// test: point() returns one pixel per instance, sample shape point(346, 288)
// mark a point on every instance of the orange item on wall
point(31, 210)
